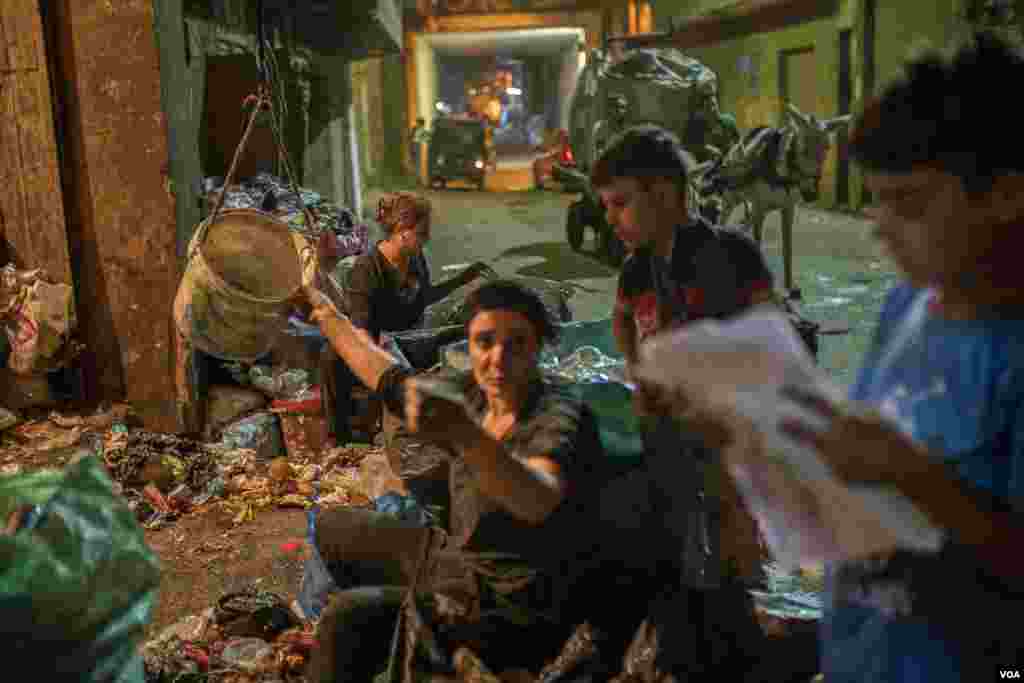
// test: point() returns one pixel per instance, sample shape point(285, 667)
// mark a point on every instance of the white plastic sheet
point(806, 514)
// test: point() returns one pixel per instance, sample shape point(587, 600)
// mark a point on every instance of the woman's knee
point(372, 544)
point(354, 635)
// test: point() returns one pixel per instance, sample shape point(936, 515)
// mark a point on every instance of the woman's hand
point(436, 419)
point(860, 447)
point(319, 302)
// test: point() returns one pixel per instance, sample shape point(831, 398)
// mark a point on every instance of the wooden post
point(119, 200)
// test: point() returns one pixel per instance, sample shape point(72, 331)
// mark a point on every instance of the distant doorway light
point(513, 91)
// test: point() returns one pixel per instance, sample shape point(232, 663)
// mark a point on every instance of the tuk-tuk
point(458, 151)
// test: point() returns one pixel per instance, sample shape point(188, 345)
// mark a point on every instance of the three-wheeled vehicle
point(458, 151)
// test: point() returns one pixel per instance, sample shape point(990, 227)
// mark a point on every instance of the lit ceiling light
point(513, 91)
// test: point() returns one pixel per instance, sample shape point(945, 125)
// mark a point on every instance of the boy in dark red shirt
point(681, 269)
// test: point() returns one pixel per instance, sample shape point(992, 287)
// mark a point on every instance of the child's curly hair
point(398, 209)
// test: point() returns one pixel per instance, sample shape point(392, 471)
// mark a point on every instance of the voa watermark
point(1009, 674)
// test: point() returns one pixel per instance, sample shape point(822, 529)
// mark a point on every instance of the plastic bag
point(453, 310)
point(78, 581)
point(260, 432)
point(405, 508)
point(317, 582)
point(421, 349)
point(279, 383)
point(38, 320)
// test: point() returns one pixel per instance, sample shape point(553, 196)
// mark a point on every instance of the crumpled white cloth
point(805, 513)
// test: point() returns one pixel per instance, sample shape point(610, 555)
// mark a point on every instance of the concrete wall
point(327, 167)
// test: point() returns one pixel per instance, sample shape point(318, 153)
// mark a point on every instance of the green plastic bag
point(77, 582)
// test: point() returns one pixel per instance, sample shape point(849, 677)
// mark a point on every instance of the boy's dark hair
point(941, 114)
point(505, 295)
point(645, 153)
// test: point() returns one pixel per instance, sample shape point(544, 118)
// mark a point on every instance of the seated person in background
point(521, 453)
point(388, 290)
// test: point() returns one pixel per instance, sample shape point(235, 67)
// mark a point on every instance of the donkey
point(765, 170)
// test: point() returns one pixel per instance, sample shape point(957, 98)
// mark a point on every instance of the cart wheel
point(574, 228)
point(481, 184)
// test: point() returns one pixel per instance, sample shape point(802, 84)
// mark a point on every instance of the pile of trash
point(270, 193)
point(454, 311)
point(163, 476)
point(249, 635)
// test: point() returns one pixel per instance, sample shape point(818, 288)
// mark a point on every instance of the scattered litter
point(270, 193)
point(280, 470)
point(249, 635)
point(251, 655)
point(99, 421)
point(303, 424)
point(38, 318)
point(259, 432)
point(280, 383)
point(140, 457)
point(226, 404)
point(405, 508)
point(8, 419)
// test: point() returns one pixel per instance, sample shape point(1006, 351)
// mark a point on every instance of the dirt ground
point(204, 556)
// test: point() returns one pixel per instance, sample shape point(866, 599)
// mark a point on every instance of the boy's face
point(938, 234)
point(640, 212)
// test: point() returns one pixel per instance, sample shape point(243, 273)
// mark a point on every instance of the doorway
point(798, 80)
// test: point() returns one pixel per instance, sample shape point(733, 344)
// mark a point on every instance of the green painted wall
point(906, 27)
point(749, 67)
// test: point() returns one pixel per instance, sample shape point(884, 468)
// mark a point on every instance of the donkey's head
point(811, 138)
